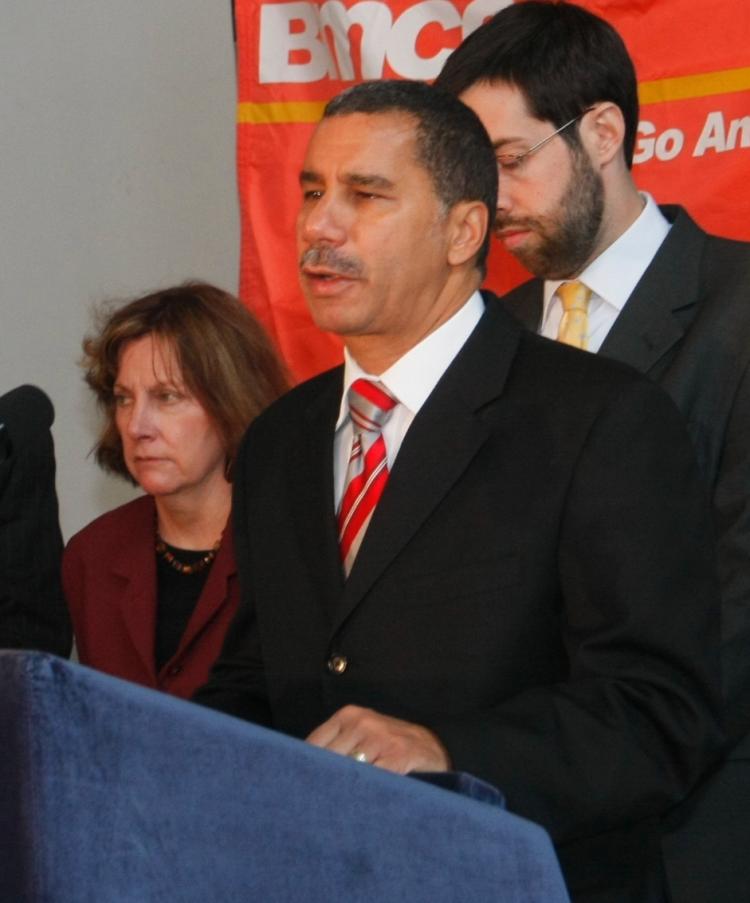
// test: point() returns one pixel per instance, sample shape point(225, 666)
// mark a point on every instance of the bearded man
point(556, 89)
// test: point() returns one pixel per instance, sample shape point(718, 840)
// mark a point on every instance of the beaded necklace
point(195, 568)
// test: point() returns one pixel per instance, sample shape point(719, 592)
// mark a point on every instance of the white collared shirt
point(612, 276)
point(411, 380)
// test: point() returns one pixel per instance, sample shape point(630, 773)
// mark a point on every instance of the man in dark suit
point(533, 596)
point(33, 614)
point(556, 89)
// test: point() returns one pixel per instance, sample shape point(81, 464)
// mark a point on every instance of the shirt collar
point(414, 375)
point(614, 274)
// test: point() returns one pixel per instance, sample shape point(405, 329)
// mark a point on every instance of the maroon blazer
point(109, 580)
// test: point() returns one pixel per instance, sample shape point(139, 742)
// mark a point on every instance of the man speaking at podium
point(469, 547)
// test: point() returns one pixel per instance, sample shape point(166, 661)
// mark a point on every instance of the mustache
point(505, 222)
point(332, 259)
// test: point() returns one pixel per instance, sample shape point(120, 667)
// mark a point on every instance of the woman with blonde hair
point(152, 585)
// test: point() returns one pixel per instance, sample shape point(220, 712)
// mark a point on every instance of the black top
point(177, 596)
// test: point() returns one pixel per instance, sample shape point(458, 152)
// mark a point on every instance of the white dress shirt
point(612, 276)
point(411, 380)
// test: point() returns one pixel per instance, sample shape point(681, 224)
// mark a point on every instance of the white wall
point(116, 176)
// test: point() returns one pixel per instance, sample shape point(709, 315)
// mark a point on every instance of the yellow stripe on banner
point(688, 87)
point(280, 112)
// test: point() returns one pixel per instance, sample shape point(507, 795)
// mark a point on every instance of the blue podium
point(110, 792)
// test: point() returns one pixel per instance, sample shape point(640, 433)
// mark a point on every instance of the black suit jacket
point(33, 614)
point(536, 585)
point(687, 325)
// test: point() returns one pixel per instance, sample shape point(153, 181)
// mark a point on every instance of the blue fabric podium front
point(110, 792)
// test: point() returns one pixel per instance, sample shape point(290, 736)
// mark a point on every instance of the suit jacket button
point(175, 670)
point(337, 664)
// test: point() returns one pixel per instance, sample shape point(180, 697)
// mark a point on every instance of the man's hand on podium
point(389, 743)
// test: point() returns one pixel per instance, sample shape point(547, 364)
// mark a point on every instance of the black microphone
point(25, 409)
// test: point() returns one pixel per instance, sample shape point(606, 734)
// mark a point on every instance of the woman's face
point(170, 444)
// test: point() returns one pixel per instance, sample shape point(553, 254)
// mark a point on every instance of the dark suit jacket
point(687, 325)
point(109, 577)
point(32, 610)
point(536, 585)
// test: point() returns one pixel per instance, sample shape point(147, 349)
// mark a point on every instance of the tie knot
point(574, 296)
point(370, 404)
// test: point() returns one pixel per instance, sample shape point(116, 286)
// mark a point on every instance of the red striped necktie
point(370, 406)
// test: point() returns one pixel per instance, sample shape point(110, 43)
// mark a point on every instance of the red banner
point(693, 63)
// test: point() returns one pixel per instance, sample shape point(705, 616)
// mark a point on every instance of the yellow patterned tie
point(574, 325)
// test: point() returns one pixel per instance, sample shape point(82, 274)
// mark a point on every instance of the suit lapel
point(439, 446)
point(214, 593)
point(135, 564)
point(311, 494)
point(649, 326)
point(526, 303)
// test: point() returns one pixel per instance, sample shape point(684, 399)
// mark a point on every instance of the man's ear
point(603, 132)
point(469, 224)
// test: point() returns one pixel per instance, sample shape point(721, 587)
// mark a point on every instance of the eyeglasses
point(512, 162)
